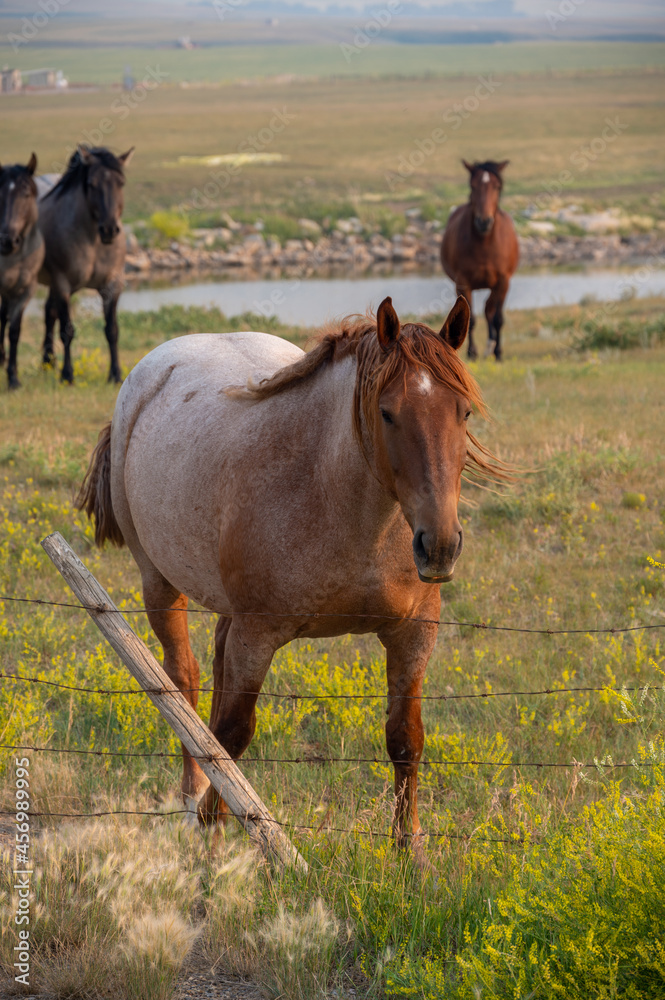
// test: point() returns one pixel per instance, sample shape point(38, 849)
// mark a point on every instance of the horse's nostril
point(419, 549)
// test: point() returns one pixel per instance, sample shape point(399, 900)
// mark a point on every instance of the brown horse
point(296, 495)
point(80, 219)
point(21, 254)
point(480, 249)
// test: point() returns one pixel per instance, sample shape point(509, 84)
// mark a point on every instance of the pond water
point(312, 301)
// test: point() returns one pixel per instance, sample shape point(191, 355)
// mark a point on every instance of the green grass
point(343, 147)
point(227, 63)
point(575, 910)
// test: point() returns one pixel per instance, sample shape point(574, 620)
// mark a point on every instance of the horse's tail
point(94, 496)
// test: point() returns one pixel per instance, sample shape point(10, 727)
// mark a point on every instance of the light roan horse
point(80, 219)
point(296, 495)
point(480, 249)
point(21, 255)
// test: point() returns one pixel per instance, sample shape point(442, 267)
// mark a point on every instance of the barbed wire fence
point(296, 696)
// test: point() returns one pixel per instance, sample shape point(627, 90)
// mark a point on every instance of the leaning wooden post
point(215, 762)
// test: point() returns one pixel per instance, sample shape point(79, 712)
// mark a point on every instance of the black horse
point(80, 220)
point(21, 254)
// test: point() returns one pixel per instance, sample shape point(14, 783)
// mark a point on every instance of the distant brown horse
point(80, 219)
point(21, 255)
point(480, 249)
point(295, 495)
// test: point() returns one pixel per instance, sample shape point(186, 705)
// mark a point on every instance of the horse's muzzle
point(435, 560)
point(108, 233)
point(8, 244)
point(483, 224)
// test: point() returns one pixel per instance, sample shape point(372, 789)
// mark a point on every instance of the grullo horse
point(80, 220)
point(21, 255)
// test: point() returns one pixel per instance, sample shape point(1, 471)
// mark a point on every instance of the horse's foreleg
point(170, 627)
point(110, 300)
point(471, 345)
point(494, 316)
point(408, 649)
point(15, 317)
point(66, 336)
point(4, 312)
point(243, 653)
point(50, 317)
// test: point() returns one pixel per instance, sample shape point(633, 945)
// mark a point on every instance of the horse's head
point(486, 183)
point(103, 183)
point(420, 431)
point(18, 204)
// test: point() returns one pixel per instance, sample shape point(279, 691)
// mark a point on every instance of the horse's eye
point(386, 417)
point(468, 414)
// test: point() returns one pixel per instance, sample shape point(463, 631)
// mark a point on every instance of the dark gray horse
point(21, 254)
point(80, 220)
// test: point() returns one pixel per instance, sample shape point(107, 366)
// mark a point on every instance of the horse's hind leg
point(243, 652)
point(471, 349)
point(110, 296)
point(170, 627)
point(50, 317)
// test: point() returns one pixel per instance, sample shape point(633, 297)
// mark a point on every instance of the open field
point(341, 154)
point(571, 906)
point(225, 59)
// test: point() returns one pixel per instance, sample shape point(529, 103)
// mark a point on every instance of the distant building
point(44, 79)
point(185, 42)
point(10, 80)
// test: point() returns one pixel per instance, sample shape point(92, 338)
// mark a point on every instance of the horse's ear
point(126, 157)
point(456, 326)
point(502, 166)
point(84, 154)
point(469, 166)
point(32, 164)
point(387, 324)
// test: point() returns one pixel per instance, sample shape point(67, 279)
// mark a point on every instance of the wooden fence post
point(215, 762)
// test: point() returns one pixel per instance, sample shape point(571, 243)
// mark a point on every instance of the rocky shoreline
point(250, 251)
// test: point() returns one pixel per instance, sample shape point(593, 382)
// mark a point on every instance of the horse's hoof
point(472, 353)
point(67, 377)
point(13, 383)
point(48, 360)
point(115, 378)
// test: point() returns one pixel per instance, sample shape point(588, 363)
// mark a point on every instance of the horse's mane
point(76, 174)
point(491, 166)
point(417, 347)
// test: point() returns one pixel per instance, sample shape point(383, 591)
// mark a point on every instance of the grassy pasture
point(343, 148)
point(225, 60)
point(576, 910)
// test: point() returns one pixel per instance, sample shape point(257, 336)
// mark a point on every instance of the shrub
point(170, 224)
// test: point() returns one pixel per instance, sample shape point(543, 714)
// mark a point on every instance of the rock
point(352, 225)
point(310, 226)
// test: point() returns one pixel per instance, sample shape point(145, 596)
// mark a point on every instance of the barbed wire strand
point(102, 609)
point(321, 759)
point(302, 696)
point(321, 828)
